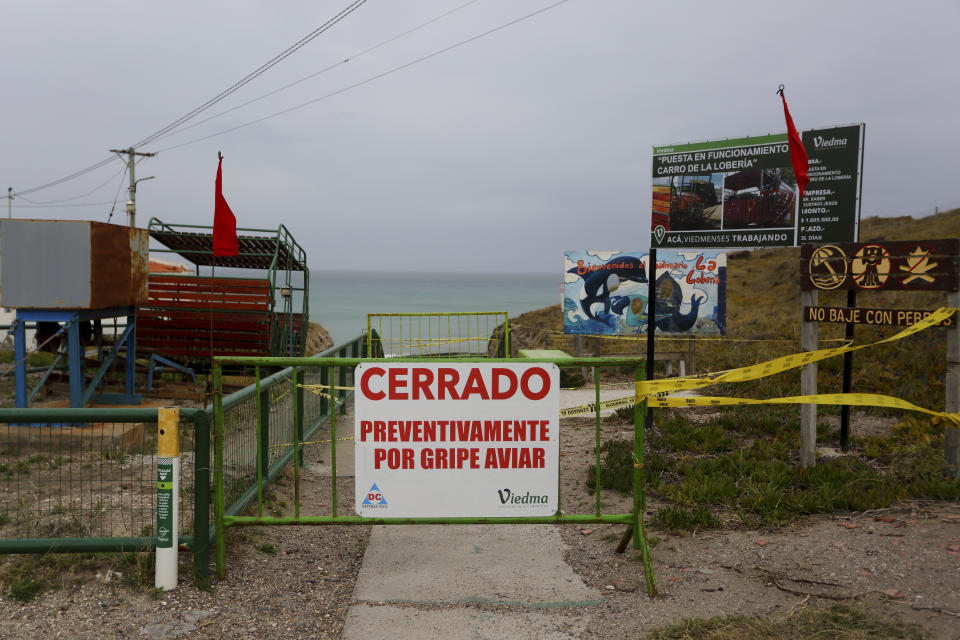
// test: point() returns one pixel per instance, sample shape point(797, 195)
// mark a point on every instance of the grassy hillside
point(714, 468)
point(763, 320)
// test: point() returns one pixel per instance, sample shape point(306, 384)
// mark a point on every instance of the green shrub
point(680, 521)
point(616, 467)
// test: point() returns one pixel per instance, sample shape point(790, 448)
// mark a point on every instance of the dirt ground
point(903, 561)
point(298, 581)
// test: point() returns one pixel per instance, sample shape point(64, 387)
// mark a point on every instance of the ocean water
point(340, 301)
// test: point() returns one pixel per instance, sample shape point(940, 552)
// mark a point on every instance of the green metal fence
point(84, 480)
point(237, 466)
point(444, 335)
point(260, 421)
point(76, 480)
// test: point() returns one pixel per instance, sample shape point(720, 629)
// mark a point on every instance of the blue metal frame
point(79, 395)
point(160, 363)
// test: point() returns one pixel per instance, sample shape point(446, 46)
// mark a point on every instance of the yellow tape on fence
point(290, 444)
point(852, 399)
point(317, 389)
point(590, 408)
point(784, 363)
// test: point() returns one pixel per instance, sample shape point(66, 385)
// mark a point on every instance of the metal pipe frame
point(328, 362)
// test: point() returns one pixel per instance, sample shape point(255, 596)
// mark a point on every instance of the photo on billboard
point(607, 292)
point(760, 198)
point(691, 202)
point(743, 192)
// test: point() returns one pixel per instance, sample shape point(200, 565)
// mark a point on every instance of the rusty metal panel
point(71, 264)
point(119, 263)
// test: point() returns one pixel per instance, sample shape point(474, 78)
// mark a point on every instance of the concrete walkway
point(415, 580)
point(419, 581)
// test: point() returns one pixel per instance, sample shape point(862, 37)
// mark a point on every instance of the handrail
point(239, 396)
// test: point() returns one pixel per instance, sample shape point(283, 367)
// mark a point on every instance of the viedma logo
point(508, 497)
point(375, 498)
point(820, 142)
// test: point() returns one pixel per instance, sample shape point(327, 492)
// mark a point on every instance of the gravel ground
point(298, 581)
point(294, 581)
point(903, 561)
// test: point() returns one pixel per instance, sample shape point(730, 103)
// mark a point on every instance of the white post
point(168, 492)
point(808, 385)
point(951, 438)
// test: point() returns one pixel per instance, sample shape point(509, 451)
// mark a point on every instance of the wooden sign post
point(913, 265)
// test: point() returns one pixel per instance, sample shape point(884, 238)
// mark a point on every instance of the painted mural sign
point(743, 192)
point(606, 292)
point(905, 265)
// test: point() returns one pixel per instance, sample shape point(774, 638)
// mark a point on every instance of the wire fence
point(286, 415)
point(86, 479)
point(440, 335)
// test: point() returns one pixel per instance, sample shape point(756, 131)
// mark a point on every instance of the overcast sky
point(494, 156)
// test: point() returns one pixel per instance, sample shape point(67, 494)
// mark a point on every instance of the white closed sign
point(457, 440)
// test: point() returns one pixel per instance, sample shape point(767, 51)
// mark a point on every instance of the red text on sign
point(420, 383)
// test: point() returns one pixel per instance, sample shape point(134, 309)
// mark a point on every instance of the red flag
point(798, 155)
point(224, 222)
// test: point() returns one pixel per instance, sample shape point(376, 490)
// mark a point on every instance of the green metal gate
point(341, 369)
point(458, 334)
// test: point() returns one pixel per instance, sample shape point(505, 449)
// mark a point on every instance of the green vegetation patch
point(679, 521)
point(839, 622)
point(743, 462)
point(27, 576)
point(616, 467)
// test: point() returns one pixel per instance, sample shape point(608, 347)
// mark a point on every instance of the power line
point(116, 196)
point(59, 206)
point(82, 195)
point(223, 94)
point(72, 176)
point(368, 80)
point(255, 73)
point(318, 73)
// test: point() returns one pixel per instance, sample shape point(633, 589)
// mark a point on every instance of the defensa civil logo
point(510, 498)
point(375, 498)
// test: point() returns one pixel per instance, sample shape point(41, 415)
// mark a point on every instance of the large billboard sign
point(606, 292)
point(743, 192)
point(457, 440)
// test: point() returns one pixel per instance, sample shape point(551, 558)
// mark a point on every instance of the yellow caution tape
point(654, 390)
point(290, 444)
point(777, 365)
point(590, 408)
point(316, 389)
point(852, 399)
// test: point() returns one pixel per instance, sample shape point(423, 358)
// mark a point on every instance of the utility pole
point(9, 202)
point(131, 162)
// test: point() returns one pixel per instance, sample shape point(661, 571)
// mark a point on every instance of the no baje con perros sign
point(457, 440)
